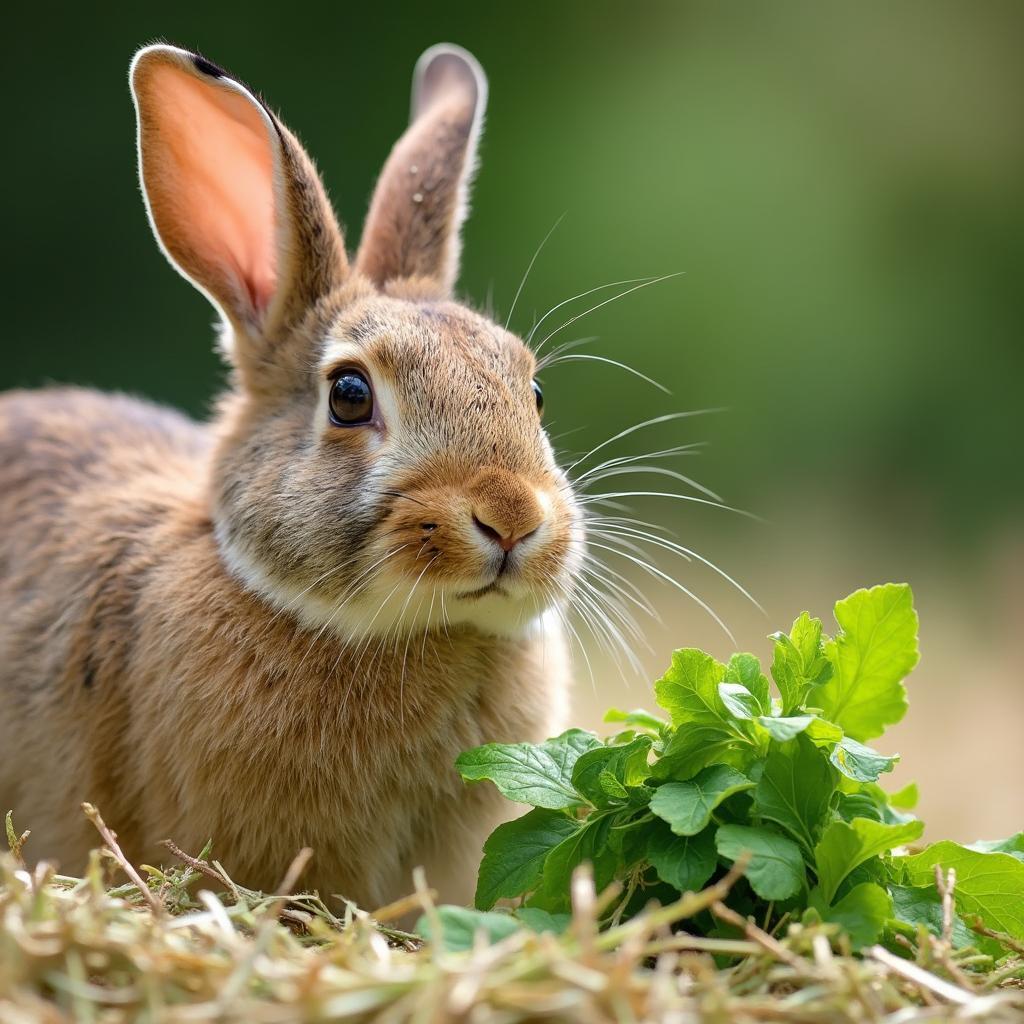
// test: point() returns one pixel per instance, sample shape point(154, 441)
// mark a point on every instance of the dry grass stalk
point(83, 949)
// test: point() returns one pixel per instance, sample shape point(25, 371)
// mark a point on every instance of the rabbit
point(280, 628)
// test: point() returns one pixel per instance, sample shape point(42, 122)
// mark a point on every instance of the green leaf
point(786, 728)
point(916, 905)
point(871, 796)
point(460, 926)
point(844, 845)
point(1014, 846)
point(823, 732)
point(990, 885)
point(539, 774)
point(539, 921)
point(745, 669)
point(636, 719)
point(796, 789)
point(688, 691)
point(684, 862)
point(858, 805)
point(799, 661)
point(776, 867)
point(783, 729)
point(687, 806)
point(873, 653)
point(739, 701)
point(862, 912)
point(904, 799)
point(515, 852)
point(859, 762)
point(588, 844)
point(605, 774)
point(692, 747)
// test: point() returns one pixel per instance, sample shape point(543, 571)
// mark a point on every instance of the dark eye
point(351, 399)
point(539, 395)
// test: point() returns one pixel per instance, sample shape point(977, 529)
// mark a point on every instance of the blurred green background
point(841, 185)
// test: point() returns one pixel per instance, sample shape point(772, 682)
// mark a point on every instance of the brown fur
point(190, 630)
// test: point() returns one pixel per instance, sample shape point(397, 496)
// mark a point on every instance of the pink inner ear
point(213, 197)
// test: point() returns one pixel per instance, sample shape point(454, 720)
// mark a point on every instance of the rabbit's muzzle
point(505, 508)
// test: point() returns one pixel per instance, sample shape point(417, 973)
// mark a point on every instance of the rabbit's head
point(381, 465)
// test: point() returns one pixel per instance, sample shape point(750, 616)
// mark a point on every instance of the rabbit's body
point(280, 629)
point(187, 708)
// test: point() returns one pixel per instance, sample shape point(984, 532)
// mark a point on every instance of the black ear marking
point(207, 67)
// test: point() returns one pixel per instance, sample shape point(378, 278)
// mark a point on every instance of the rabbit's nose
point(505, 507)
point(506, 541)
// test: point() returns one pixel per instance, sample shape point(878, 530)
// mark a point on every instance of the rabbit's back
point(84, 480)
point(66, 452)
point(58, 440)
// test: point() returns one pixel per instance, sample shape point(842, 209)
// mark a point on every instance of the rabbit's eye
point(351, 399)
point(539, 395)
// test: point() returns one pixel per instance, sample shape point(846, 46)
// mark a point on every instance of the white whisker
point(689, 554)
point(647, 567)
point(623, 460)
point(640, 426)
point(522, 283)
point(659, 471)
point(583, 356)
point(611, 496)
point(363, 579)
point(581, 295)
point(620, 295)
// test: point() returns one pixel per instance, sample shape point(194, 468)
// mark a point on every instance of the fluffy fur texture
point(272, 629)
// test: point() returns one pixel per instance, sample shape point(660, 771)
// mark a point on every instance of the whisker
point(625, 543)
point(620, 295)
point(522, 283)
point(366, 575)
point(566, 433)
point(426, 623)
point(405, 654)
point(689, 554)
point(640, 426)
point(401, 494)
point(583, 356)
point(647, 567)
point(444, 618)
point(659, 471)
point(567, 624)
point(679, 450)
point(668, 494)
point(604, 631)
point(365, 642)
point(581, 295)
point(630, 521)
point(566, 346)
point(608, 605)
point(320, 579)
point(620, 584)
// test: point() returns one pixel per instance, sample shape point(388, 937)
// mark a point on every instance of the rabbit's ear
point(235, 203)
point(412, 229)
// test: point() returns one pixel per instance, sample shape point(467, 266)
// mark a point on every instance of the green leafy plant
point(785, 781)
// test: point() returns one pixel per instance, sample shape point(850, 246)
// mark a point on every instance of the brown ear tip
point(446, 68)
point(165, 55)
point(156, 55)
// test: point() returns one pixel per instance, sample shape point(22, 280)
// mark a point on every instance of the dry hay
point(167, 949)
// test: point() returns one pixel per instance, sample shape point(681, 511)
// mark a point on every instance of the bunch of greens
point(784, 781)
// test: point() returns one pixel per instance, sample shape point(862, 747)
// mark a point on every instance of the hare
point(281, 627)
